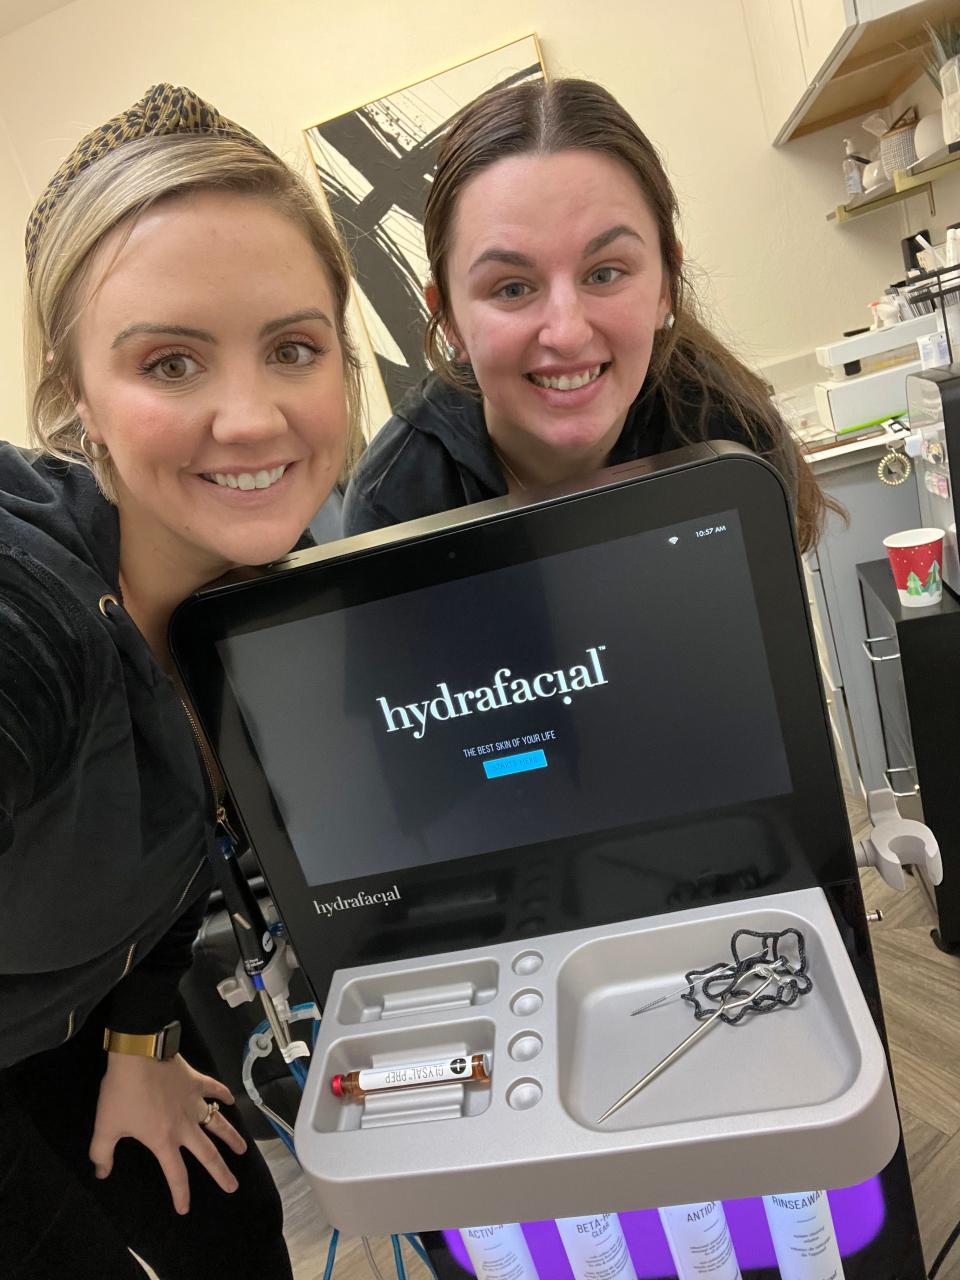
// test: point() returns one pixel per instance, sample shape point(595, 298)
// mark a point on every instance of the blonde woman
point(194, 390)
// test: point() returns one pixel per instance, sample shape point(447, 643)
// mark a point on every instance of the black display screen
point(508, 722)
point(614, 684)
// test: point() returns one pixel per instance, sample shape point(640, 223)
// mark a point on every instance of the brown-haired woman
point(564, 334)
point(192, 387)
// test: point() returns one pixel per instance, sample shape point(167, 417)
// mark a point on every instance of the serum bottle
point(804, 1238)
point(596, 1248)
point(499, 1252)
point(699, 1240)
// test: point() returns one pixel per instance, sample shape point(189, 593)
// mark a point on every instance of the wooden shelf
point(939, 165)
point(915, 181)
point(886, 195)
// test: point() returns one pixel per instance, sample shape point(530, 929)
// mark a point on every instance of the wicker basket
point(897, 149)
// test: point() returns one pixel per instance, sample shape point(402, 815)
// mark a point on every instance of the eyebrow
point(607, 237)
point(510, 258)
point(201, 335)
point(308, 313)
point(172, 330)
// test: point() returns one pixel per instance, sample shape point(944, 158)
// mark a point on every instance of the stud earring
point(669, 320)
point(92, 450)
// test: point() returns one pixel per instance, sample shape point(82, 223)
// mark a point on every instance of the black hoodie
point(105, 817)
point(434, 454)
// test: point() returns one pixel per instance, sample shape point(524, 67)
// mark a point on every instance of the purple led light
point(858, 1213)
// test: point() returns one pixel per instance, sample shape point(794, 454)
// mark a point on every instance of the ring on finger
point(212, 1110)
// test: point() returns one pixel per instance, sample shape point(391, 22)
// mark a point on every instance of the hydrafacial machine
point(546, 800)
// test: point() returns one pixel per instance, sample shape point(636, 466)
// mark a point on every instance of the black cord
point(942, 1255)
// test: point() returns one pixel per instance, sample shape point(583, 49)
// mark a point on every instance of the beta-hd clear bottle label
point(596, 1248)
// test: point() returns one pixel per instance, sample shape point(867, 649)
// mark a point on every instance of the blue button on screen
point(521, 763)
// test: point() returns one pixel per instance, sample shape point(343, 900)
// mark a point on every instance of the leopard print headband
point(164, 109)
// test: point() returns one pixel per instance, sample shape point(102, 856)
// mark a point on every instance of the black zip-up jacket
point(105, 816)
point(434, 454)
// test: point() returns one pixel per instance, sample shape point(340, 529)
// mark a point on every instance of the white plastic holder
point(239, 989)
point(895, 842)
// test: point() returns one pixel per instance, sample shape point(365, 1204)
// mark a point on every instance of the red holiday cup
point(916, 558)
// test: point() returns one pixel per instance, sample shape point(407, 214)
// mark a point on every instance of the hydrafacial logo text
point(362, 899)
point(501, 692)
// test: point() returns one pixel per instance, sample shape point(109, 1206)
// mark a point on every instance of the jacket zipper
point(228, 845)
point(186, 890)
point(128, 964)
point(220, 810)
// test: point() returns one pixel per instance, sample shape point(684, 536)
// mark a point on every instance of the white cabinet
point(822, 29)
point(777, 59)
point(818, 62)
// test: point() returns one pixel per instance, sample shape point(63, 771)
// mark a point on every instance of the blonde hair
point(116, 190)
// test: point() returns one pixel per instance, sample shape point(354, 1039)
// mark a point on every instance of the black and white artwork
point(376, 165)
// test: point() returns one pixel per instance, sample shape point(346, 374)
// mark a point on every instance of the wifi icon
point(673, 541)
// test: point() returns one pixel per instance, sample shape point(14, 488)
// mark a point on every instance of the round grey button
point(527, 962)
point(525, 1046)
point(526, 1003)
point(524, 1094)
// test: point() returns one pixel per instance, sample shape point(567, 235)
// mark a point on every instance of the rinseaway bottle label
point(596, 1248)
point(804, 1238)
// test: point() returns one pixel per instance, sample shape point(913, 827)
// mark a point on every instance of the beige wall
point(927, 100)
point(14, 209)
point(778, 278)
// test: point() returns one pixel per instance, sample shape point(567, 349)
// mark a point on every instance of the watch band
point(160, 1045)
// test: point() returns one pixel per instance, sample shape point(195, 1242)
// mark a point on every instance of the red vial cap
point(336, 1084)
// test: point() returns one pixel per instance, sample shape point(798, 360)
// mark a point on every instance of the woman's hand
point(161, 1104)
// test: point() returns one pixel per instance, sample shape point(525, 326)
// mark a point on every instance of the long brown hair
point(694, 372)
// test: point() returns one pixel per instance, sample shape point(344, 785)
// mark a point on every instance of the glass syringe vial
point(412, 1075)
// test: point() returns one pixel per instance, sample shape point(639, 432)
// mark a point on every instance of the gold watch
point(162, 1045)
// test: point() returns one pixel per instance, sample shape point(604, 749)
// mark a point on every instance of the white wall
point(779, 278)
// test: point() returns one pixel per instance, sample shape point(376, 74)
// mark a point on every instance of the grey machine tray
point(789, 1100)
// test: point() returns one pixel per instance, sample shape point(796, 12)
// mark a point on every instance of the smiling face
point(556, 288)
point(209, 365)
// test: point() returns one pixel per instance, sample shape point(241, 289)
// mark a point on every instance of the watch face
point(170, 1041)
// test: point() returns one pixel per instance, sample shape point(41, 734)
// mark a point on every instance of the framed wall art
point(375, 164)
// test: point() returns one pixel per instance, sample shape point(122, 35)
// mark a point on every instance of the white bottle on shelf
point(596, 1248)
point(699, 1240)
point(853, 167)
point(804, 1238)
point(499, 1252)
